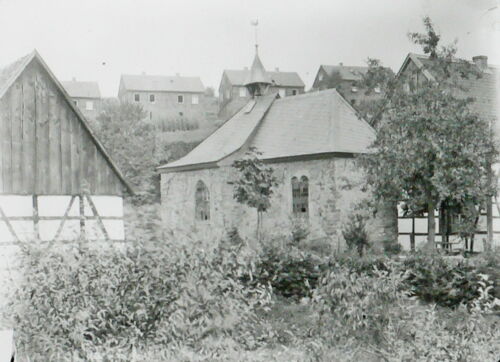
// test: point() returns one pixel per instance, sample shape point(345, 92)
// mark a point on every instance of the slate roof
point(284, 79)
point(78, 89)
point(11, 72)
point(485, 89)
point(346, 72)
point(162, 83)
point(305, 125)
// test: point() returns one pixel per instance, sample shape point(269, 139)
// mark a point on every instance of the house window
point(152, 98)
point(243, 92)
point(294, 92)
point(137, 97)
point(180, 98)
point(300, 196)
point(75, 102)
point(195, 99)
point(282, 92)
point(150, 115)
point(89, 105)
point(202, 202)
point(353, 102)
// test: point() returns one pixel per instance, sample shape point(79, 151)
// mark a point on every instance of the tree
point(432, 150)
point(134, 144)
point(254, 185)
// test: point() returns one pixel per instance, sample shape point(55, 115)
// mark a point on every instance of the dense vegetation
point(189, 300)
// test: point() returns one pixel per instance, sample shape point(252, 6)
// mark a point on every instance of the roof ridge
point(308, 94)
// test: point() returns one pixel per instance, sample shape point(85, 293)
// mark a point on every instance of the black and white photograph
point(250, 180)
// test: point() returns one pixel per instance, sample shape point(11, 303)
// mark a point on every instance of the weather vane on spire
point(255, 23)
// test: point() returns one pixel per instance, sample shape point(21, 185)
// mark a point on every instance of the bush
point(372, 316)
point(391, 247)
point(292, 273)
point(434, 279)
point(78, 300)
point(355, 234)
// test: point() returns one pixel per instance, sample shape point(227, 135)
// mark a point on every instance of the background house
point(233, 94)
point(346, 79)
point(484, 88)
point(165, 98)
point(86, 95)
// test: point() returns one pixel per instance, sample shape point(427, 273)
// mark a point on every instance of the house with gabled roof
point(86, 95)
point(233, 93)
point(165, 98)
point(484, 87)
point(57, 181)
point(347, 80)
point(310, 140)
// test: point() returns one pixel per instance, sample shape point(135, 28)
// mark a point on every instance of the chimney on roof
point(143, 73)
point(341, 64)
point(73, 79)
point(277, 69)
point(481, 61)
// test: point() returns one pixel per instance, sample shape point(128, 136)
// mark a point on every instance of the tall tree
point(432, 150)
point(254, 185)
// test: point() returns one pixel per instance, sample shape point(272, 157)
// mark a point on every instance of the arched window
point(202, 202)
point(300, 196)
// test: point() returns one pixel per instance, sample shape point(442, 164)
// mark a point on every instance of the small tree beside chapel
point(254, 185)
point(432, 150)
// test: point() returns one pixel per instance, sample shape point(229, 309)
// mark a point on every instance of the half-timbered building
point(57, 182)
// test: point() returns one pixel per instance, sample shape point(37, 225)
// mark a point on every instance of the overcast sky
point(100, 39)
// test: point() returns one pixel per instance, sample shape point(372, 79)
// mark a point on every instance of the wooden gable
point(46, 147)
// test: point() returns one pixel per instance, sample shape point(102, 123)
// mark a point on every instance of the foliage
point(292, 273)
point(372, 316)
point(432, 149)
point(254, 184)
point(80, 300)
point(436, 280)
point(133, 143)
point(391, 247)
point(179, 124)
point(354, 233)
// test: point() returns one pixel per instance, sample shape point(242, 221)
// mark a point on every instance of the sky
point(98, 40)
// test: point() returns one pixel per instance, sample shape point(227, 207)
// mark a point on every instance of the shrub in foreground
point(73, 301)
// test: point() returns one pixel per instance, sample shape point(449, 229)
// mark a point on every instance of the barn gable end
point(46, 146)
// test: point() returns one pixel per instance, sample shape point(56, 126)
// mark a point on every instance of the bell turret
point(258, 80)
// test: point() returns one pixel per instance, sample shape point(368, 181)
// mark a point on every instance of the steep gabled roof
point(283, 79)
point(78, 89)
point(310, 124)
point(228, 138)
point(162, 83)
point(345, 72)
point(10, 73)
point(485, 89)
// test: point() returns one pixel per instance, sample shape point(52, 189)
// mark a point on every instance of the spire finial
point(255, 23)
